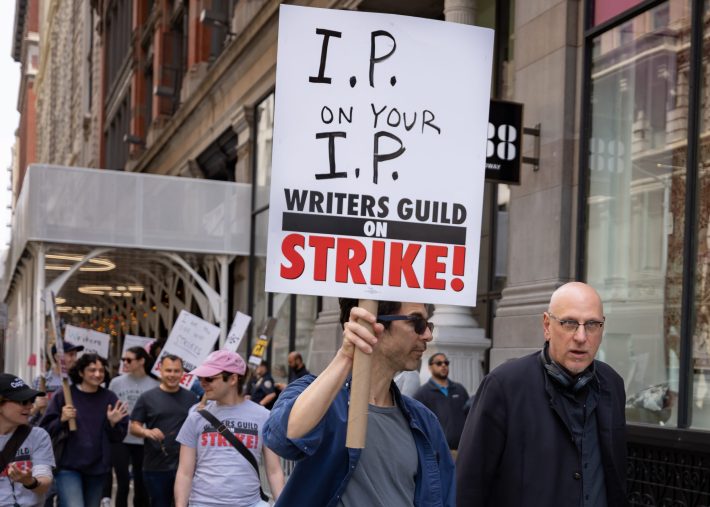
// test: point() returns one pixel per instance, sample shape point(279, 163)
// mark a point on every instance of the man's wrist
point(31, 485)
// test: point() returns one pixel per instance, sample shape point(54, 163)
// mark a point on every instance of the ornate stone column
point(456, 332)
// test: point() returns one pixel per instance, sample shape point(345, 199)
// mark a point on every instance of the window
point(636, 202)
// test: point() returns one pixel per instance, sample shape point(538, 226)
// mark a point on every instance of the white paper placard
point(93, 341)
point(133, 341)
point(236, 332)
point(379, 148)
point(191, 339)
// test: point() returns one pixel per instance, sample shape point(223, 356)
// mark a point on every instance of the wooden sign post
point(360, 390)
point(56, 335)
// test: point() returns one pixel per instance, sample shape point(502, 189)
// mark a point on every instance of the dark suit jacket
point(516, 450)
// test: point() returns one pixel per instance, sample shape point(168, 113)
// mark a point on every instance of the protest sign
point(191, 339)
point(133, 341)
point(94, 342)
point(379, 154)
point(236, 332)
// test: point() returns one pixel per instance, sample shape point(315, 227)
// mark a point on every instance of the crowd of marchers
point(546, 429)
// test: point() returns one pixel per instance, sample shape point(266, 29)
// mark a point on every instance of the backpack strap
point(13, 444)
point(236, 443)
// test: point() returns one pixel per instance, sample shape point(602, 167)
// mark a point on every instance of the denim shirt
point(325, 465)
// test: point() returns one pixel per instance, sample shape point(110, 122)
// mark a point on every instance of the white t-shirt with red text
point(35, 453)
point(222, 475)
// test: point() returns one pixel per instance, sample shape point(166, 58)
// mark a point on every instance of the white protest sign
point(379, 153)
point(236, 332)
point(133, 341)
point(191, 339)
point(94, 342)
point(75, 335)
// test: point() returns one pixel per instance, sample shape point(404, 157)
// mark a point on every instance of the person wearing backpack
point(26, 457)
point(221, 445)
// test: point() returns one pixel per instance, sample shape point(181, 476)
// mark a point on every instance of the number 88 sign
point(503, 146)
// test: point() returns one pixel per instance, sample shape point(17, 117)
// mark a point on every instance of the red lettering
point(321, 244)
point(347, 263)
point(203, 440)
point(432, 267)
point(377, 266)
point(402, 263)
point(222, 442)
point(288, 248)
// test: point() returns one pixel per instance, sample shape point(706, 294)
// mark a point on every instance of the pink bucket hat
point(219, 361)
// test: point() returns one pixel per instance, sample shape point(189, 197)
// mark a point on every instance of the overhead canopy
point(90, 207)
point(122, 252)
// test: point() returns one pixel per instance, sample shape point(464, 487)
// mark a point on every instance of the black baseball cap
point(14, 388)
point(68, 347)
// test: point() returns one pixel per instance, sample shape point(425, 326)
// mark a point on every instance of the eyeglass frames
point(208, 380)
point(591, 327)
point(439, 363)
point(24, 403)
point(419, 322)
point(128, 360)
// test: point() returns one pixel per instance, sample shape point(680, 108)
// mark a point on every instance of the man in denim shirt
point(406, 460)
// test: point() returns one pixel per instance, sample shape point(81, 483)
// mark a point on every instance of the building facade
point(618, 196)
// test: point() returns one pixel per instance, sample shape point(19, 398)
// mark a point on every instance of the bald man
point(549, 429)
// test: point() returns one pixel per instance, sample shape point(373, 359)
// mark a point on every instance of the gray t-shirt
point(35, 451)
point(222, 475)
point(166, 411)
point(129, 388)
point(384, 476)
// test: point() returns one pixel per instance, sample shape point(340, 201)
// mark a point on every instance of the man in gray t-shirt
point(128, 388)
point(157, 417)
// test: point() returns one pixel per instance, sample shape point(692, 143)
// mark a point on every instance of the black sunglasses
point(420, 323)
point(208, 380)
point(439, 363)
point(24, 403)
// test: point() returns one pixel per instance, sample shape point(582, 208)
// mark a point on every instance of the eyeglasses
point(128, 360)
point(420, 323)
point(591, 327)
point(209, 380)
point(24, 403)
point(439, 363)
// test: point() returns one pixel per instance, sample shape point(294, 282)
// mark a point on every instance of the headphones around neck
point(554, 370)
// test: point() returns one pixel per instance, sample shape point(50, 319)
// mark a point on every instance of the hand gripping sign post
point(376, 186)
point(55, 334)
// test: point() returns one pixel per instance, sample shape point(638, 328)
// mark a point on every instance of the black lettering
point(368, 203)
point(411, 125)
point(339, 198)
point(330, 113)
point(459, 214)
point(382, 202)
point(352, 204)
point(427, 121)
point(295, 198)
point(377, 157)
point(341, 115)
point(377, 59)
point(316, 202)
point(394, 123)
point(327, 34)
point(376, 113)
point(331, 155)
